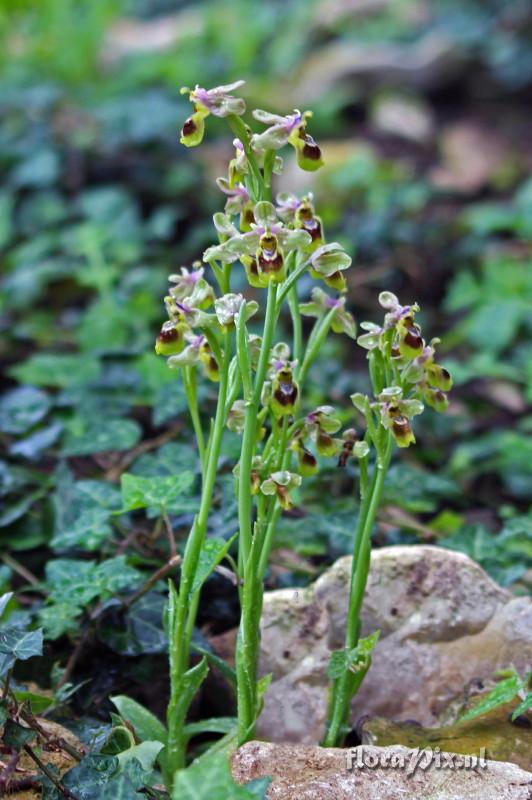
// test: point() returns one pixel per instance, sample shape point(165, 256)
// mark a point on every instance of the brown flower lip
point(169, 335)
point(189, 127)
point(311, 149)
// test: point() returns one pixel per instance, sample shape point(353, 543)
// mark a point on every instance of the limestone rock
point(315, 773)
point(444, 624)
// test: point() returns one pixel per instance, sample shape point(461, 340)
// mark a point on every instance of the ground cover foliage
point(99, 203)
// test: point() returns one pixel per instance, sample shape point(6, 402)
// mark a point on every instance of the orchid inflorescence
point(261, 382)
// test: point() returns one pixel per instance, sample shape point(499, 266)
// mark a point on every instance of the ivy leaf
point(170, 459)
point(4, 600)
point(38, 702)
point(16, 510)
point(98, 436)
point(162, 492)
point(211, 779)
point(22, 408)
point(82, 512)
point(79, 582)
point(101, 776)
point(89, 530)
point(58, 619)
point(137, 632)
point(48, 369)
point(33, 446)
point(16, 735)
point(21, 643)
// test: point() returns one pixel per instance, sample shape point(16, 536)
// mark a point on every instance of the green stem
point(269, 161)
point(247, 645)
point(345, 687)
point(293, 302)
point(186, 606)
point(315, 344)
point(250, 428)
point(254, 181)
point(290, 282)
point(189, 378)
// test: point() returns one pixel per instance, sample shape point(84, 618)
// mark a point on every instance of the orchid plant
point(261, 395)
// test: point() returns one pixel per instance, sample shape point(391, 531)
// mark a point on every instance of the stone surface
point(444, 625)
point(314, 773)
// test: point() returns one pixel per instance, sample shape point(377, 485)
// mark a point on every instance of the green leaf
point(147, 726)
point(211, 779)
point(140, 631)
point(83, 510)
point(4, 600)
point(145, 753)
point(47, 369)
point(33, 446)
point(163, 493)
point(215, 725)
point(192, 680)
point(14, 511)
point(20, 643)
point(88, 531)
point(169, 460)
point(504, 692)
point(58, 619)
point(98, 777)
point(101, 436)
point(263, 684)
point(523, 707)
point(356, 660)
point(22, 408)
point(16, 735)
point(212, 552)
point(37, 702)
point(79, 582)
